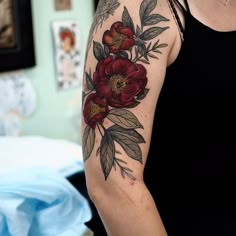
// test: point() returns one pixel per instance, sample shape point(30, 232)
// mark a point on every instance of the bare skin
point(117, 126)
point(226, 22)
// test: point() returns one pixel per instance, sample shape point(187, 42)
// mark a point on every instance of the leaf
point(162, 45)
point(98, 151)
point(106, 51)
point(127, 20)
point(89, 82)
point(157, 51)
point(136, 52)
point(154, 19)
point(118, 152)
point(119, 160)
point(143, 51)
point(149, 46)
point(144, 61)
point(138, 31)
point(152, 33)
point(122, 172)
point(132, 134)
point(138, 42)
point(124, 118)
point(107, 154)
point(88, 142)
point(114, 165)
point(152, 56)
point(131, 176)
point(146, 7)
point(127, 169)
point(156, 44)
point(98, 51)
point(83, 96)
point(143, 95)
point(122, 54)
point(136, 103)
point(131, 148)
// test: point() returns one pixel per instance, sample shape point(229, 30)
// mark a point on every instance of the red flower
point(95, 110)
point(118, 38)
point(119, 81)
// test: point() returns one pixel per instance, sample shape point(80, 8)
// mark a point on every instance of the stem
point(100, 130)
point(124, 171)
point(117, 162)
point(103, 127)
point(88, 93)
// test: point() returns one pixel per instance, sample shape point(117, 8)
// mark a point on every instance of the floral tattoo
point(119, 84)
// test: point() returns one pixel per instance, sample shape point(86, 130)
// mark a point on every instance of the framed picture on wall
point(62, 5)
point(16, 35)
point(96, 4)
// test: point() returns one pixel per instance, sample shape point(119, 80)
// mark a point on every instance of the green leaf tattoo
point(152, 33)
point(107, 153)
point(127, 20)
point(147, 6)
point(124, 118)
point(88, 142)
point(89, 82)
point(118, 84)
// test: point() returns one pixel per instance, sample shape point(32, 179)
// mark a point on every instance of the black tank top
point(191, 167)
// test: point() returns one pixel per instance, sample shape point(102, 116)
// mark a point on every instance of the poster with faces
point(67, 45)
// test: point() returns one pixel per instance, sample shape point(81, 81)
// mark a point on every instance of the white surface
point(32, 151)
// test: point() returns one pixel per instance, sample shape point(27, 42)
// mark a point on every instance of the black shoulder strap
point(176, 16)
point(185, 7)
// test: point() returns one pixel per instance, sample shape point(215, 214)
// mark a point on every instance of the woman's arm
point(127, 54)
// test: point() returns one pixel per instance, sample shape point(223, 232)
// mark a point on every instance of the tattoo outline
point(119, 83)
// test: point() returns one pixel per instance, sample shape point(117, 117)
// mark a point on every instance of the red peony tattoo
point(118, 84)
point(95, 110)
point(120, 81)
point(118, 38)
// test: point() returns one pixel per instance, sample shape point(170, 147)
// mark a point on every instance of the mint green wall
point(58, 112)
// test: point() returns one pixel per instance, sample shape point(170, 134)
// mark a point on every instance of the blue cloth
point(41, 202)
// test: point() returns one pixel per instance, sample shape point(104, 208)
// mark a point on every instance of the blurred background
point(42, 51)
point(55, 111)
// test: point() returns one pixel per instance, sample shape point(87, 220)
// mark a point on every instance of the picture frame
point(95, 4)
point(17, 49)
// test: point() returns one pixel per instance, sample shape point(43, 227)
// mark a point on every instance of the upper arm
point(127, 55)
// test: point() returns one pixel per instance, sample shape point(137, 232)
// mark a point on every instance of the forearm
point(129, 212)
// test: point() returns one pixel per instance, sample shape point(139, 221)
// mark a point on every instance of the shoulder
point(148, 18)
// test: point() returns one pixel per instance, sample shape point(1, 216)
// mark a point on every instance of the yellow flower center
point(117, 83)
point(95, 109)
point(118, 40)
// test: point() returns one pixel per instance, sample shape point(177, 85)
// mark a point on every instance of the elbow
point(94, 192)
point(95, 188)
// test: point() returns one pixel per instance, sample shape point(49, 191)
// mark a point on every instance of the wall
point(58, 112)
